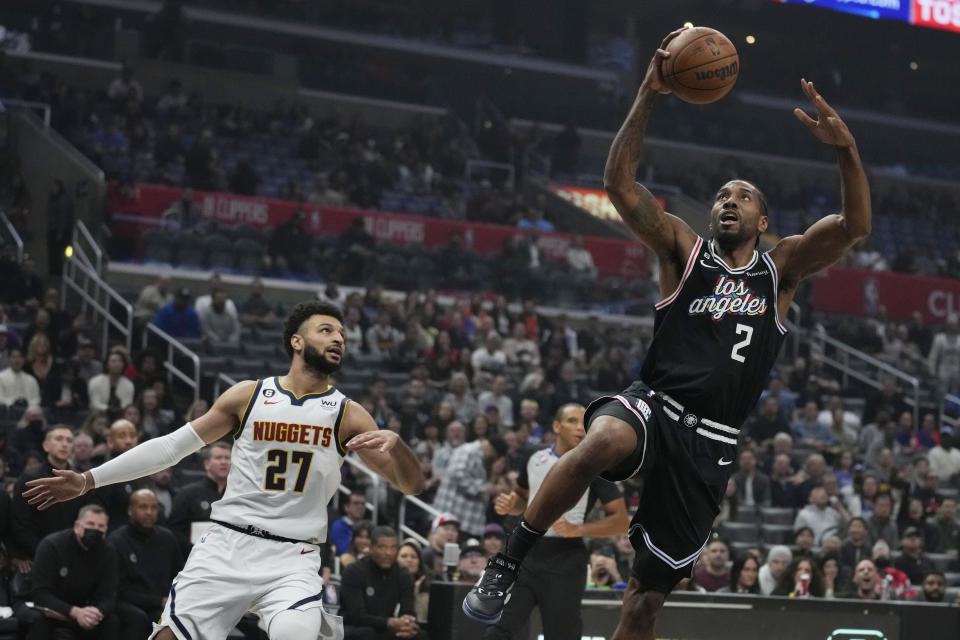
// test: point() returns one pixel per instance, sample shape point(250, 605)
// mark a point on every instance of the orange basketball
point(702, 67)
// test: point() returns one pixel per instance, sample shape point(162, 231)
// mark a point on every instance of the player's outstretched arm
point(829, 238)
point(667, 235)
point(382, 450)
point(149, 457)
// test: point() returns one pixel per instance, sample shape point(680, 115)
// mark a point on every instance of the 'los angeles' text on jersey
point(717, 336)
point(285, 463)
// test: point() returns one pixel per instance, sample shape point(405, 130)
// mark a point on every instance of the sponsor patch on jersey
point(644, 409)
point(329, 403)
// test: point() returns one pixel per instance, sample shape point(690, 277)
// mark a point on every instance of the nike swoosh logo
point(303, 551)
point(274, 402)
point(723, 462)
point(708, 266)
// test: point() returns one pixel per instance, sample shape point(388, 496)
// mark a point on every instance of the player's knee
point(608, 441)
point(293, 624)
point(642, 612)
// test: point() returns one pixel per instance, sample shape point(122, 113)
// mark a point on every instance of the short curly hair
point(303, 311)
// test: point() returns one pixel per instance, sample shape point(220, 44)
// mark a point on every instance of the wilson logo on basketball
point(720, 73)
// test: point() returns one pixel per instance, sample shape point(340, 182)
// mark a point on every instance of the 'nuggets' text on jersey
point(285, 462)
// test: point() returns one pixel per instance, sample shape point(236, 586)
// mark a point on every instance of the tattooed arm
point(667, 235)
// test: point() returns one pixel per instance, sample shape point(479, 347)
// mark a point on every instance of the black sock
point(521, 540)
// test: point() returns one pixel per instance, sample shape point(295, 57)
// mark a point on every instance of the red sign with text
point(861, 292)
point(939, 14)
point(612, 257)
point(595, 201)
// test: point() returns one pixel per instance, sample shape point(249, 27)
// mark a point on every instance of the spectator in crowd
point(867, 582)
point(204, 302)
point(532, 218)
point(743, 576)
point(464, 403)
point(85, 362)
point(179, 318)
point(151, 298)
point(76, 577)
point(753, 485)
point(289, 245)
point(568, 390)
point(712, 573)
point(149, 558)
point(408, 557)
point(472, 561)
point(803, 542)
point(915, 517)
point(125, 88)
point(465, 490)
point(493, 538)
point(829, 566)
point(945, 457)
point(257, 312)
point(382, 337)
point(489, 360)
point(800, 580)
point(341, 531)
point(819, 515)
point(872, 438)
point(520, 349)
point(814, 469)
point(455, 434)
point(244, 179)
point(782, 488)
point(359, 543)
point(28, 525)
point(807, 430)
point(946, 528)
point(192, 503)
point(603, 567)
point(944, 357)
point(934, 587)
point(497, 396)
point(82, 452)
point(579, 259)
point(444, 530)
point(115, 498)
point(17, 386)
point(154, 419)
point(778, 558)
point(356, 250)
point(184, 214)
point(880, 523)
point(887, 398)
point(767, 423)
point(857, 545)
point(220, 327)
point(913, 561)
point(111, 391)
point(411, 349)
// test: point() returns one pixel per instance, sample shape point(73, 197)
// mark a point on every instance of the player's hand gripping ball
point(702, 67)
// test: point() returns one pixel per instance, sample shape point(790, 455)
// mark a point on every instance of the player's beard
point(317, 362)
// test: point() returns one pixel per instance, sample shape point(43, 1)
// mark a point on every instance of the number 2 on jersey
point(275, 480)
point(735, 352)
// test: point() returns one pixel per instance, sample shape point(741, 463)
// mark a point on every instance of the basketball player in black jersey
point(717, 332)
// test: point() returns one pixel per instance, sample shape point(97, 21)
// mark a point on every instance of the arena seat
point(776, 533)
point(740, 531)
point(777, 515)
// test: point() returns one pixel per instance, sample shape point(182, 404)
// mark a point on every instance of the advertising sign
point(936, 14)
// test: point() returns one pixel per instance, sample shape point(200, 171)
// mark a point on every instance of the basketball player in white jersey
point(291, 433)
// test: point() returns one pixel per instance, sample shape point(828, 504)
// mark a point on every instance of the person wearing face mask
point(75, 581)
point(149, 558)
point(29, 526)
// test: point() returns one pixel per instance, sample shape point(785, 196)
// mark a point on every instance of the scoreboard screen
point(936, 14)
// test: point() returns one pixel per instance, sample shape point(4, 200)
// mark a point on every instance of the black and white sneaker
point(490, 594)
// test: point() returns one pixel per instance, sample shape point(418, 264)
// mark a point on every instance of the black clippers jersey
point(716, 338)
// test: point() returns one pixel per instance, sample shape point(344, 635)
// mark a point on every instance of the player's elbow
point(617, 190)
point(858, 227)
point(413, 486)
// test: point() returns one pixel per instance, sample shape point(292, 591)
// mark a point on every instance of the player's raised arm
point(382, 450)
point(667, 235)
point(829, 238)
point(149, 457)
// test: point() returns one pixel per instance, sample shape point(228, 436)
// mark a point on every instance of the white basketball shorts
point(229, 573)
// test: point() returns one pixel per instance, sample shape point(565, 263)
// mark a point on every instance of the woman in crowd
point(829, 565)
point(97, 425)
point(41, 365)
point(801, 580)
point(744, 576)
point(844, 468)
point(110, 391)
point(408, 557)
point(154, 420)
point(803, 541)
point(359, 543)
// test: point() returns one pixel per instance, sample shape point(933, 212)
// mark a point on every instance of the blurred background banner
point(863, 292)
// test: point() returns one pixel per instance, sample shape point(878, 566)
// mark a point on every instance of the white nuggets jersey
point(285, 463)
